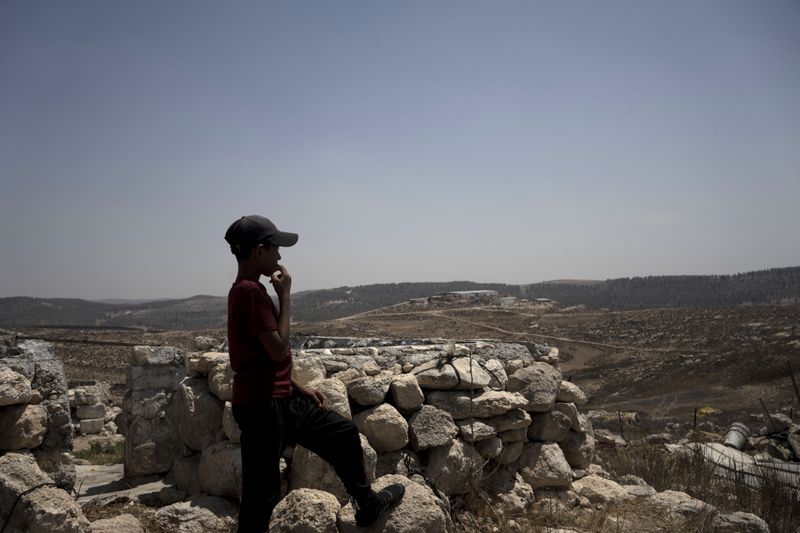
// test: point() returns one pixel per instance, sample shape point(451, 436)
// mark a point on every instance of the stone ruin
point(474, 420)
point(36, 467)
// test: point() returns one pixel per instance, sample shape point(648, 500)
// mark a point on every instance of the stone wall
point(459, 419)
point(35, 441)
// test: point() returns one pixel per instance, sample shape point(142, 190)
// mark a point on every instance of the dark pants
point(267, 428)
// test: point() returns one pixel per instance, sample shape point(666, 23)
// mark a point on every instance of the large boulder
point(308, 369)
point(124, 523)
point(202, 363)
point(570, 393)
point(406, 393)
point(156, 355)
point(538, 383)
point(509, 494)
point(739, 522)
point(512, 420)
point(578, 449)
point(336, 393)
point(486, 404)
point(403, 462)
point(198, 414)
point(510, 453)
point(14, 388)
point(220, 381)
point(384, 426)
point(600, 490)
point(310, 471)
point(679, 504)
point(369, 390)
point(29, 502)
point(150, 446)
point(542, 465)
point(147, 403)
point(474, 429)
point(551, 426)
point(455, 468)
point(305, 511)
point(22, 426)
point(59, 465)
point(220, 470)
point(203, 514)
point(164, 377)
point(461, 373)
point(186, 471)
point(431, 427)
point(420, 511)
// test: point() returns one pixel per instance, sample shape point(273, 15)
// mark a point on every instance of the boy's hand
point(282, 281)
point(316, 396)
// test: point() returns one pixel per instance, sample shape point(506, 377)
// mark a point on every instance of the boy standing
point(273, 410)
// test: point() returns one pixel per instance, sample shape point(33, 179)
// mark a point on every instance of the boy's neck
point(248, 272)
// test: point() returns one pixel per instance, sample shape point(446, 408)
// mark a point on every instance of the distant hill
point(776, 285)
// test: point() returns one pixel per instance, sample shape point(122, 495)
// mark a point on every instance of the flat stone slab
point(99, 480)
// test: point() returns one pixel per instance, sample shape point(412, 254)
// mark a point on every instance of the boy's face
point(267, 257)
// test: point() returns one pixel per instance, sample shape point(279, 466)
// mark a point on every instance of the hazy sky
point(404, 141)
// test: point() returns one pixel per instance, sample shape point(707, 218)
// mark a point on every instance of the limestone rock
point(150, 445)
point(543, 465)
point(310, 471)
point(538, 383)
point(305, 511)
point(140, 377)
point(48, 510)
point(204, 343)
point(599, 490)
point(513, 435)
point(308, 369)
point(336, 393)
point(203, 514)
point(680, 503)
point(384, 426)
point(198, 414)
point(19, 473)
point(220, 381)
point(461, 373)
point(369, 390)
point(124, 523)
point(92, 426)
point(455, 468)
point(484, 405)
point(204, 362)
point(489, 448)
point(57, 464)
point(406, 393)
point(347, 375)
point(420, 511)
point(474, 429)
point(14, 388)
point(403, 462)
point(220, 470)
point(22, 426)
point(92, 411)
point(510, 453)
point(551, 426)
point(739, 522)
point(570, 393)
point(229, 425)
point(509, 493)
point(578, 449)
point(156, 355)
point(498, 377)
point(512, 420)
point(147, 403)
point(371, 368)
point(431, 427)
point(571, 411)
point(186, 471)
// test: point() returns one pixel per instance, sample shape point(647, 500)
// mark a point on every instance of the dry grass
point(98, 455)
point(689, 472)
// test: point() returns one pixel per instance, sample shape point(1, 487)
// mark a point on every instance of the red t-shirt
point(250, 312)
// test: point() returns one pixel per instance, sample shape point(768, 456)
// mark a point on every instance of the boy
point(273, 410)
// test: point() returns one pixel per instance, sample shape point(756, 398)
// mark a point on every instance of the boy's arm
point(277, 342)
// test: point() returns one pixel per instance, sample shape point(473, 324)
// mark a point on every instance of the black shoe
point(380, 503)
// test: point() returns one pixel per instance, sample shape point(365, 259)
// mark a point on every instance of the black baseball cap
point(252, 230)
